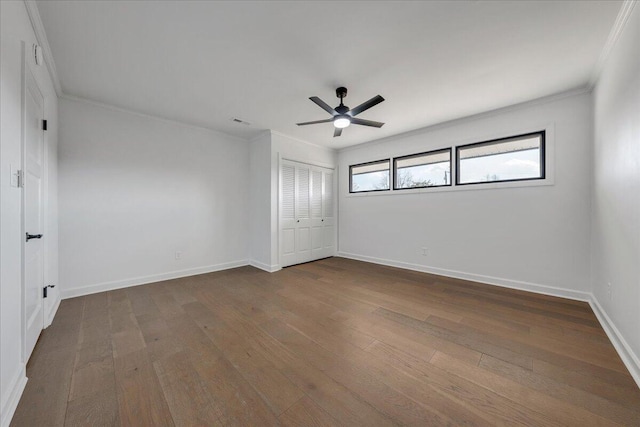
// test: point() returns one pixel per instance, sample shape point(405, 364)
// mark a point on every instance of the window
point(372, 176)
point(432, 169)
point(516, 158)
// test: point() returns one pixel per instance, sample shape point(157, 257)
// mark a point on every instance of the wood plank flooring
point(330, 343)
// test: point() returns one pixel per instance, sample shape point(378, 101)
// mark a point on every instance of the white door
point(307, 218)
point(288, 223)
point(303, 220)
point(317, 221)
point(33, 211)
point(295, 223)
point(328, 216)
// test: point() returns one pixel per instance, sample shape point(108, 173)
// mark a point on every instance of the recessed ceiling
point(205, 63)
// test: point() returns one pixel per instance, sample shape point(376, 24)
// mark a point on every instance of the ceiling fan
point(342, 115)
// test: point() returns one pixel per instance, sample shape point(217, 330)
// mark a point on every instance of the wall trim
point(143, 280)
point(489, 280)
point(52, 313)
point(43, 41)
point(149, 116)
point(302, 141)
point(262, 266)
point(629, 358)
point(612, 40)
point(16, 389)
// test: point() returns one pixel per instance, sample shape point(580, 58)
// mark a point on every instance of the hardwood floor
point(333, 342)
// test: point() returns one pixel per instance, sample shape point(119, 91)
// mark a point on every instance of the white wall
point(135, 190)
point(15, 26)
point(616, 193)
point(534, 238)
point(260, 193)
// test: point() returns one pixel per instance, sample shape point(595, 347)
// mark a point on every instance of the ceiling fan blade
point(356, 121)
point(337, 132)
point(315, 122)
point(366, 105)
point(324, 105)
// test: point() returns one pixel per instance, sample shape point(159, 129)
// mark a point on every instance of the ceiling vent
point(242, 122)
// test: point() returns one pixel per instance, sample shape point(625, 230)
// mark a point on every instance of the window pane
point(423, 170)
point(509, 159)
point(370, 177)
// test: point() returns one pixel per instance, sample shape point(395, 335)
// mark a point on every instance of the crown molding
point(284, 135)
point(614, 35)
point(41, 37)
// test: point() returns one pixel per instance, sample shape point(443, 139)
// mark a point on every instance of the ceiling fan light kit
point(341, 122)
point(342, 115)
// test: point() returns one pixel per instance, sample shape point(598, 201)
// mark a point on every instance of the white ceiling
point(205, 62)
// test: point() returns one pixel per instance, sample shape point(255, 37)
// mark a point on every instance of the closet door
point(288, 224)
point(303, 220)
point(307, 223)
point(328, 215)
point(317, 220)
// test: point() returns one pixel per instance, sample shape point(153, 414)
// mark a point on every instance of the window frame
point(365, 164)
point(543, 166)
point(409, 156)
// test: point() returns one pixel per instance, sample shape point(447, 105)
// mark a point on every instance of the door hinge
point(45, 289)
point(44, 125)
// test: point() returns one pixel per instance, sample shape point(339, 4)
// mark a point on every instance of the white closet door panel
point(329, 239)
point(288, 224)
point(302, 199)
point(316, 239)
point(303, 253)
point(288, 192)
point(316, 214)
point(289, 242)
point(316, 194)
point(327, 198)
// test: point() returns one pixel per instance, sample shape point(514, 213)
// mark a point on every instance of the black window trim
point(365, 164)
point(409, 156)
point(541, 133)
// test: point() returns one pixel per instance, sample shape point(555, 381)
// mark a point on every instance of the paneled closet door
point(303, 220)
point(328, 215)
point(288, 224)
point(317, 219)
point(307, 216)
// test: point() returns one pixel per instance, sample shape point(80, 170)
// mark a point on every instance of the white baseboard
point(266, 267)
point(490, 280)
point(52, 313)
point(629, 358)
point(13, 397)
point(135, 281)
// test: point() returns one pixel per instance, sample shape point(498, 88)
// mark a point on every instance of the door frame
point(334, 168)
point(28, 66)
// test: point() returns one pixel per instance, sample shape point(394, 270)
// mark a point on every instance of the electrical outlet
point(424, 251)
point(178, 255)
point(609, 290)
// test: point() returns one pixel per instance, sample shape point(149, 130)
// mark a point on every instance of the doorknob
point(33, 236)
point(298, 220)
